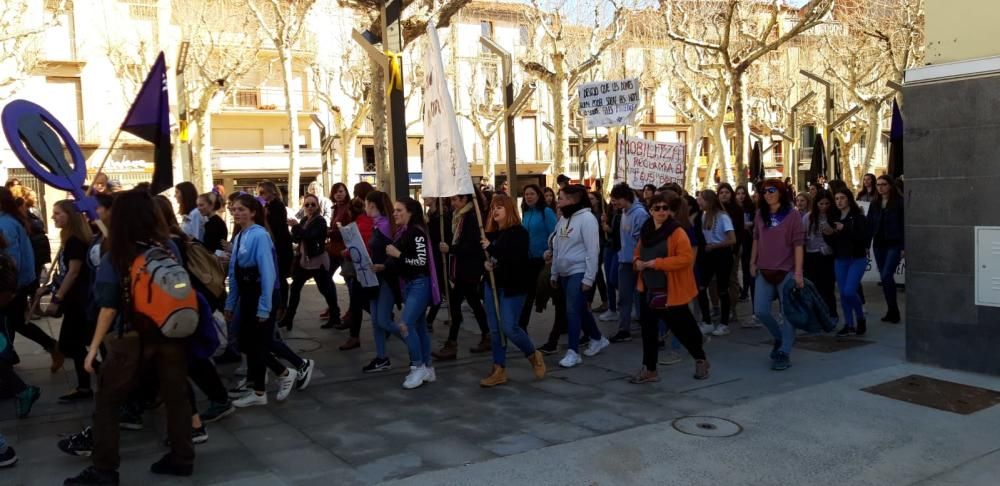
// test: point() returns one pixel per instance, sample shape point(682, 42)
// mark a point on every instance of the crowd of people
point(658, 256)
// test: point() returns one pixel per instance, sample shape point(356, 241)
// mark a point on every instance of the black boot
point(862, 327)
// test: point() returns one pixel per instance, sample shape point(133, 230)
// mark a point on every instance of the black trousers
point(560, 325)
point(324, 282)
point(16, 322)
point(818, 269)
point(74, 337)
point(256, 338)
point(716, 264)
point(534, 267)
point(470, 293)
point(203, 374)
point(679, 320)
point(745, 254)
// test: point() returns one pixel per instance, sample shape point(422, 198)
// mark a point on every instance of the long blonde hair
point(76, 224)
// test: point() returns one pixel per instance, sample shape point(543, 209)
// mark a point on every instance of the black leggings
point(74, 337)
point(718, 264)
point(679, 320)
point(534, 267)
point(560, 325)
point(256, 338)
point(746, 246)
point(203, 374)
point(818, 269)
point(17, 324)
point(324, 282)
point(470, 293)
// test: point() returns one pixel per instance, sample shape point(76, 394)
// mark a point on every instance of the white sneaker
point(286, 384)
point(596, 347)
point(416, 377)
point(706, 328)
point(241, 388)
point(251, 399)
point(721, 330)
point(431, 375)
point(305, 376)
point(608, 316)
point(570, 360)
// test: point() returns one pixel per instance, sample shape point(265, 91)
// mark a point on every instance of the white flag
point(446, 169)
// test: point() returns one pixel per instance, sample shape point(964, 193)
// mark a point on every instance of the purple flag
point(149, 119)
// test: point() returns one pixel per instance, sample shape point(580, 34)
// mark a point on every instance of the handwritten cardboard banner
point(609, 103)
point(359, 255)
point(642, 162)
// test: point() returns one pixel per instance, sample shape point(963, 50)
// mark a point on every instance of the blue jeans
point(3, 444)
point(626, 290)
point(764, 294)
point(578, 314)
point(510, 312)
point(381, 311)
point(849, 272)
point(418, 297)
point(611, 276)
point(887, 259)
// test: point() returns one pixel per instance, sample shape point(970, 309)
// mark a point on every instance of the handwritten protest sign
point(609, 103)
point(359, 255)
point(642, 162)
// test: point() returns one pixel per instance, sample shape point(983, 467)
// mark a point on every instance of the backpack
point(202, 266)
point(160, 294)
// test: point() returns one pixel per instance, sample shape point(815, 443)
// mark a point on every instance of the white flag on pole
point(446, 168)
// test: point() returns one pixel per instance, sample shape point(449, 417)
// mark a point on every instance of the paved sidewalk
point(586, 425)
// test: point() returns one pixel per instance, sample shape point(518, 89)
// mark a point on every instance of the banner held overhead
point(609, 103)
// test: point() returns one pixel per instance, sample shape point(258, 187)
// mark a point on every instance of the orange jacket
point(679, 267)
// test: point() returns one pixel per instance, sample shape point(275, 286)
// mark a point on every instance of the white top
point(194, 225)
point(723, 224)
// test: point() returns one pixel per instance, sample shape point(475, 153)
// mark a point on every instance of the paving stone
point(270, 437)
point(231, 466)
point(513, 444)
point(355, 443)
point(557, 431)
point(563, 388)
point(304, 462)
point(401, 464)
point(449, 452)
point(601, 421)
point(587, 375)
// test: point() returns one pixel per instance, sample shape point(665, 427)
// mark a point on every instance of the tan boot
point(537, 364)
point(448, 352)
point(484, 345)
point(497, 377)
point(701, 368)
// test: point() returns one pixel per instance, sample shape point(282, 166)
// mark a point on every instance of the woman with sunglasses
point(885, 219)
point(312, 261)
point(664, 259)
point(776, 257)
point(507, 244)
point(848, 235)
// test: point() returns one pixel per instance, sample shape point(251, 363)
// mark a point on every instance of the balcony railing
point(267, 99)
point(806, 153)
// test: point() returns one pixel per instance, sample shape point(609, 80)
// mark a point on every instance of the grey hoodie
point(576, 247)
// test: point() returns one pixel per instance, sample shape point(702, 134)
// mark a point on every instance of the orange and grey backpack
point(159, 294)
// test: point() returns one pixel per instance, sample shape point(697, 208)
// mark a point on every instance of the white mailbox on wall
point(988, 266)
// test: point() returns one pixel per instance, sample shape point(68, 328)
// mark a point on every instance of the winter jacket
point(509, 251)
point(310, 235)
point(853, 240)
point(540, 223)
point(632, 220)
point(576, 248)
point(466, 253)
point(18, 249)
point(277, 223)
point(804, 308)
point(414, 260)
point(254, 248)
point(886, 224)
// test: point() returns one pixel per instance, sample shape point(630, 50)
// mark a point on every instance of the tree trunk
point(202, 161)
point(742, 125)
point(560, 116)
point(610, 176)
point(379, 129)
point(873, 138)
point(347, 139)
point(694, 149)
point(489, 170)
point(719, 153)
point(294, 171)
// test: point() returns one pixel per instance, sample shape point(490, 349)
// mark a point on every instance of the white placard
point(359, 255)
point(446, 168)
point(642, 162)
point(609, 103)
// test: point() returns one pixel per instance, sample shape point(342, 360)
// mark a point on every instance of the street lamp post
point(512, 107)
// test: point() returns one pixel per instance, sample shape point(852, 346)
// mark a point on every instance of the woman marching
point(539, 220)
point(664, 260)
point(192, 220)
point(776, 257)
point(385, 295)
point(868, 192)
point(411, 261)
point(343, 216)
point(215, 232)
point(819, 257)
point(848, 235)
point(70, 291)
point(313, 261)
point(717, 263)
point(276, 217)
point(885, 220)
point(252, 276)
point(745, 202)
point(507, 244)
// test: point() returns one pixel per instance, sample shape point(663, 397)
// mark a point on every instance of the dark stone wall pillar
point(952, 173)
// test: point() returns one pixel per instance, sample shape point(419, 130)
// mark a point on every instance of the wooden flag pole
point(493, 282)
point(444, 263)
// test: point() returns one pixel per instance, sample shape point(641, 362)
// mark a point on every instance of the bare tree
point(744, 31)
point(283, 22)
point(485, 112)
point(20, 35)
point(344, 85)
point(566, 52)
point(223, 43)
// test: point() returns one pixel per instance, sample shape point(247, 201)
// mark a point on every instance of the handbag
point(774, 277)
point(657, 299)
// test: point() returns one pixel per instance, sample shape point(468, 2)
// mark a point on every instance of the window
point(649, 135)
point(368, 152)
point(650, 105)
point(485, 30)
point(142, 9)
point(62, 99)
point(523, 35)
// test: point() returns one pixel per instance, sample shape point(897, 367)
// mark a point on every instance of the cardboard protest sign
point(642, 162)
point(609, 103)
point(359, 255)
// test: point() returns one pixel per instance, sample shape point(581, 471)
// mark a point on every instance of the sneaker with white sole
point(286, 384)
point(251, 399)
point(570, 360)
point(305, 374)
point(608, 316)
point(596, 347)
point(431, 374)
point(721, 330)
point(706, 328)
point(416, 377)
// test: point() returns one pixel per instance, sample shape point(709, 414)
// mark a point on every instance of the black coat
point(509, 250)
point(466, 257)
point(852, 241)
point(277, 222)
point(215, 233)
point(886, 224)
point(312, 237)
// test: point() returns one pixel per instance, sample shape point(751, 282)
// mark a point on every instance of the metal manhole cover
point(939, 394)
point(303, 345)
point(704, 426)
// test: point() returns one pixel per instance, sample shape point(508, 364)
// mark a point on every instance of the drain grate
point(825, 344)
point(704, 426)
point(942, 395)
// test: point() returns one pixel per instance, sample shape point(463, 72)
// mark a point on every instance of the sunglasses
point(310, 205)
point(771, 190)
point(659, 207)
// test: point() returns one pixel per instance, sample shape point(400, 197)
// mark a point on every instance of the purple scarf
point(435, 290)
